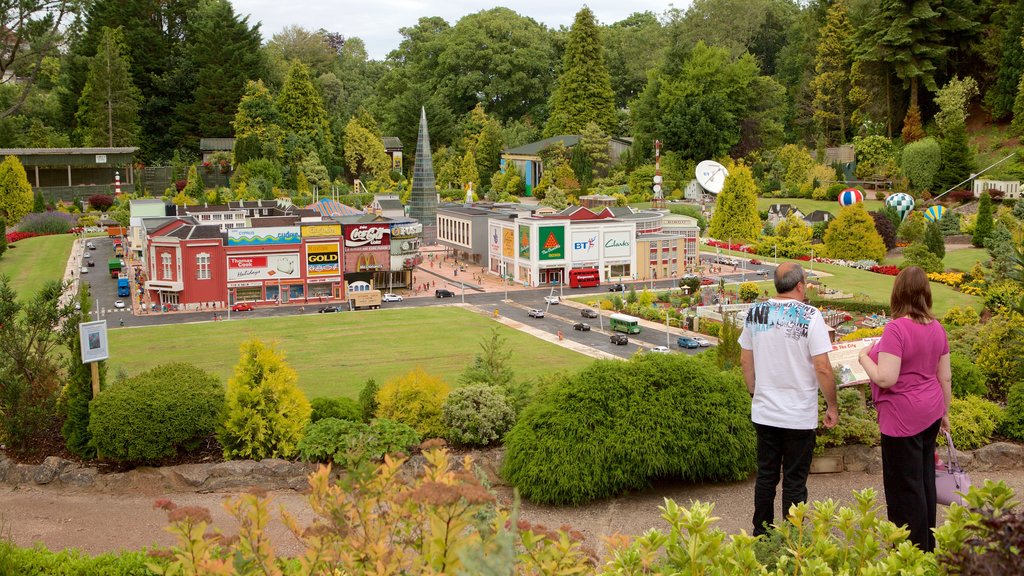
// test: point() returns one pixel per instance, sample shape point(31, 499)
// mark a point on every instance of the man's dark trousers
point(785, 452)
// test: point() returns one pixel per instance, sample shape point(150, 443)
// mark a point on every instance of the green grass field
point(807, 206)
point(334, 354)
point(31, 262)
point(962, 260)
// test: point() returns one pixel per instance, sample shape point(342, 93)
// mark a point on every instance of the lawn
point(962, 260)
point(334, 354)
point(807, 205)
point(31, 262)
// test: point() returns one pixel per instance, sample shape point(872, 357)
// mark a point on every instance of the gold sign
point(321, 230)
point(508, 242)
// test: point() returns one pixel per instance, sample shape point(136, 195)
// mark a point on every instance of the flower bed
point(13, 237)
point(954, 279)
point(888, 270)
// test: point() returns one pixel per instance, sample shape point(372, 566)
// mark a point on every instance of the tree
point(314, 170)
point(1018, 110)
point(592, 149)
point(983, 223)
point(414, 398)
point(933, 240)
point(555, 197)
point(1010, 68)
point(38, 205)
point(918, 254)
point(302, 111)
point(224, 54)
point(736, 217)
point(468, 173)
point(77, 389)
point(632, 47)
point(727, 353)
point(266, 412)
point(584, 90)
point(957, 158)
point(831, 85)
point(15, 191)
point(490, 365)
point(3, 235)
point(913, 228)
point(30, 363)
point(852, 236)
point(364, 150)
point(1000, 247)
point(950, 223)
point(194, 187)
point(33, 32)
point(920, 163)
point(108, 109)
point(885, 229)
point(484, 138)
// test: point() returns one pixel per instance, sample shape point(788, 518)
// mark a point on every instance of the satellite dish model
point(711, 176)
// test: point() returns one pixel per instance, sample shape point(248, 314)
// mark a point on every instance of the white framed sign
point(93, 339)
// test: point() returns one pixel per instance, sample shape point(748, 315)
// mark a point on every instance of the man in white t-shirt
point(784, 355)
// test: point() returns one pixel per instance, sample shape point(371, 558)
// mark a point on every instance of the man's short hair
point(789, 277)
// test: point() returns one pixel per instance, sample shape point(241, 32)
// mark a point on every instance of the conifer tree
point(736, 217)
point(77, 390)
point(1001, 94)
point(584, 90)
point(957, 160)
point(831, 84)
point(108, 109)
point(912, 130)
point(38, 205)
point(3, 235)
point(15, 191)
point(194, 188)
point(468, 173)
point(303, 113)
point(483, 136)
point(933, 240)
point(1018, 107)
point(852, 236)
point(364, 150)
point(983, 225)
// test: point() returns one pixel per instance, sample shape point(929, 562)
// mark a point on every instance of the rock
point(861, 458)
point(49, 470)
point(999, 456)
point(192, 474)
point(6, 466)
point(298, 483)
point(233, 468)
point(275, 467)
point(79, 477)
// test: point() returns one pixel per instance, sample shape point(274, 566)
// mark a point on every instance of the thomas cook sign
point(322, 260)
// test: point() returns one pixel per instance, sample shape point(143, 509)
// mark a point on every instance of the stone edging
point(996, 456)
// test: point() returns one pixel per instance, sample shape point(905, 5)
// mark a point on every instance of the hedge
point(616, 426)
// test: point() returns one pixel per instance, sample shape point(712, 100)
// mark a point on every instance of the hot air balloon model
point(903, 203)
point(850, 196)
point(935, 213)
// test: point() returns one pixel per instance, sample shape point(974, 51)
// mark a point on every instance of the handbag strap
point(952, 464)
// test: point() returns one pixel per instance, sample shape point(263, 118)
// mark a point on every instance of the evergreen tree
point(77, 391)
point(831, 84)
point(736, 217)
point(957, 159)
point(468, 171)
point(913, 228)
point(15, 191)
point(302, 111)
point(950, 223)
point(912, 130)
point(884, 228)
point(590, 155)
point(314, 170)
point(108, 110)
point(38, 205)
point(999, 245)
point(194, 188)
point(727, 353)
point(223, 53)
point(584, 90)
point(1010, 68)
point(933, 240)
point(484, 138)
point(852, 236)
point(490, 365)
point(983, 225)
point(1018, 108)
point(364, 150)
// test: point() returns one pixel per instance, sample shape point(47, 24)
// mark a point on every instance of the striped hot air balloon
point(935, 213)
point(850, 196)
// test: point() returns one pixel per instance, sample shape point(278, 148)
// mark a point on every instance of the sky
point(377, 22)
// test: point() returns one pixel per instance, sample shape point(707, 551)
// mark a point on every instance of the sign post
point(92, 337)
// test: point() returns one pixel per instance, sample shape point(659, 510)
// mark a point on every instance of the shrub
point(101, 202)
point(921, 162)
point(918, 254)
point(346, 443)
point(712, 329)
point(972, 421)
point(39, 560)
point(1013, 421)
point(861, 333)
point(1004, 294)
point(858, 424)
point(968, 379)
point(266, 411)
point(749, 291)
point(615, 426)
point(477, 415)
point(155, 414)
point(340, 408)
point(48, 223)
point(415, 398)
point(368, 399)
point(387, 437)
point(960, 316)
point(1001, 363)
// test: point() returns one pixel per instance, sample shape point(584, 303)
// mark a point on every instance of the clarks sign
point(367, 237)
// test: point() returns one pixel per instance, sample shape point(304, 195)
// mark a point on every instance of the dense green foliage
point(1013, 419)
point(15, 191)
point(39, 561)
point(983, 224)
point(341, 408)
point(852, 236)
point(266, 412)
point(918, 254)
point(584, 88)
point(616, 426)
point(968, 379)
point(156, 414)
point(108, 109)
point(416, 399)
point(368, 399)
point(920, 163)
point(972, 421)
point(858, 423)
point(736, 218)
point(77, 391)
point(345, 442)
point(477, 415)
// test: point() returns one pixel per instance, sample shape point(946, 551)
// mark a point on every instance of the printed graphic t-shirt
point(784, 335)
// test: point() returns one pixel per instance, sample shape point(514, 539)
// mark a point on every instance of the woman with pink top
point(910, 386)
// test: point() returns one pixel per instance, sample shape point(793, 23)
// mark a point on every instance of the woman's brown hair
point(912, 295)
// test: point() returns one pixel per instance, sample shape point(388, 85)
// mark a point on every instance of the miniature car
point(85, 270)
point(661, 349)
point(588, 313)
point(581, 326)
point(617, 288)
point(551, 299)
point(441, 293)
point(389, 297)
point(686, 342)
point(242, 307)
point(536, 313)
point(331, 308)
point(118, 303)
point(619, 339)
point(704, 342)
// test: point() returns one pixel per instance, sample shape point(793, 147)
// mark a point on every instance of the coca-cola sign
point(367, 236)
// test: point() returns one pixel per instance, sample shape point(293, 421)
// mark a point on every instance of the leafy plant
point(329, 440)
point(48, 223)
point(156, 414)
point(477, 415)
point(1013, 419)
point(972, 422)
point(968, 379)
point(368, 399)
point(340, 408)
point(858, 423)
point(416, 399)
point(615, 426)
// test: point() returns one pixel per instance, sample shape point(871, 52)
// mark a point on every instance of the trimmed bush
point(155, 414)
point(972, 421)
point(616, 426)
point(1013, 420)
point(340, 408)
point(921, 161)
point(968, 379)
point(477, 415)
point(858, 424)
point(415, 398)
point(345, 442)
point(368, 399)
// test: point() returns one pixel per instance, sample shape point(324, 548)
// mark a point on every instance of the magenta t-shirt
point(916, 401)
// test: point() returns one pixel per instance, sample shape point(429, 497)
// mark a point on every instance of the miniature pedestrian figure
point(121, 321)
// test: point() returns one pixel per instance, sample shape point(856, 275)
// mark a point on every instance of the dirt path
point(103, 522)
